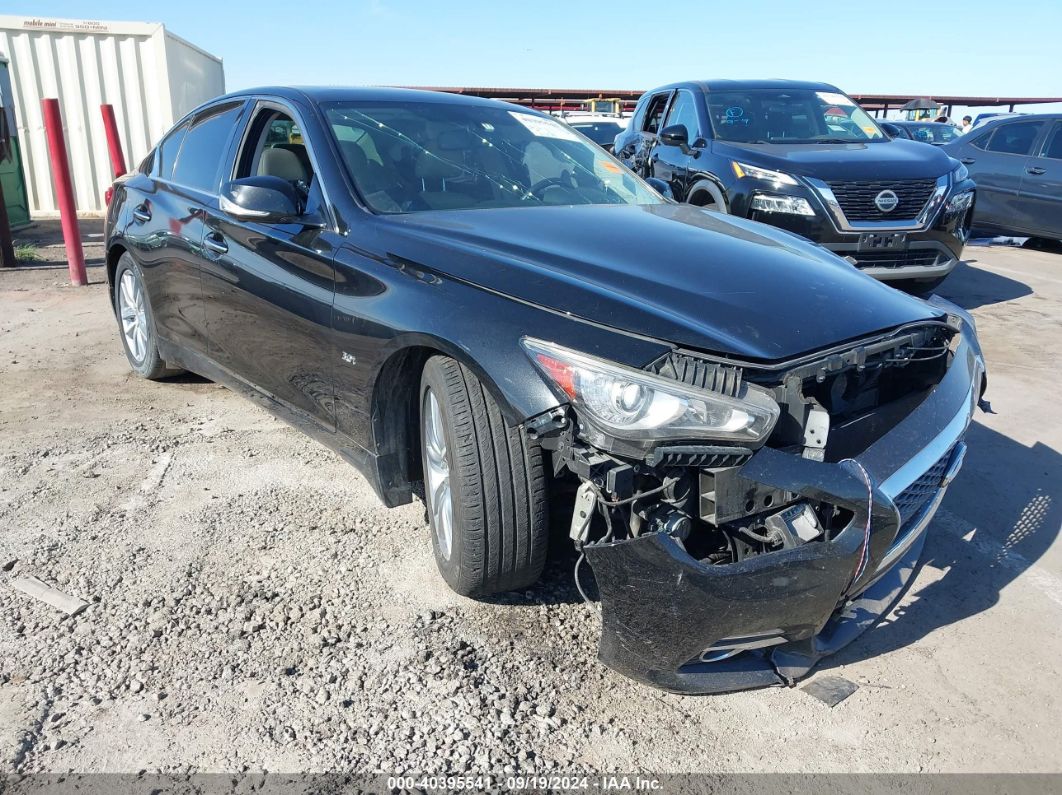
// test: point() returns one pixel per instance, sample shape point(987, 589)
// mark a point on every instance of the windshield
point(415, 156)
point(784, 116)
point(602, 133)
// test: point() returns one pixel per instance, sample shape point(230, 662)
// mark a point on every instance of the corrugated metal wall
point(84, 64)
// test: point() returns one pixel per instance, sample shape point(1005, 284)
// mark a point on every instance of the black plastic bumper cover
point(661, 608)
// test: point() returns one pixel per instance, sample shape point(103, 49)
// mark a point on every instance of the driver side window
point(654, 113)
point(275, 147)
point(684, 111)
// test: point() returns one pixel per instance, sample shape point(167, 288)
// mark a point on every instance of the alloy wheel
point(133, 312)
point(438, 475)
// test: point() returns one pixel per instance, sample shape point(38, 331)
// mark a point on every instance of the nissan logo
point(886, 201)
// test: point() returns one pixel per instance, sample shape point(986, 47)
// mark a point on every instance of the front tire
point(708, 195)
point(484, 485)
point(136, 322)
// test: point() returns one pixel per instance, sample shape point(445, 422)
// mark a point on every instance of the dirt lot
point(252, 607)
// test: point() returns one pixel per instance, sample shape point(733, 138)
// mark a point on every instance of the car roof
point(317, 94)
point(994, 120)
point(748, 85)
point(998, 121)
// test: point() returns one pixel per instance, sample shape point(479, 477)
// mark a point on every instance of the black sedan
point(1017, 164)
point(469, 298)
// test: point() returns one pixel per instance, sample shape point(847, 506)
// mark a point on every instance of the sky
point(971, 47)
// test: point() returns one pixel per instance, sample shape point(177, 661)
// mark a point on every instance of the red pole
point(114, 143)
point(64, 191)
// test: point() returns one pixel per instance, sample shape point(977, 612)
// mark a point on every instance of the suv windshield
point(789, 116)
point(416, 156)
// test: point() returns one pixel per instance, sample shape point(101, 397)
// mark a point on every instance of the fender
point(708, 181)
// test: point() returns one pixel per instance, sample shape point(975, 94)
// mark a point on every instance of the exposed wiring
point(578, 584)
point(614, 503)
point(864, 553)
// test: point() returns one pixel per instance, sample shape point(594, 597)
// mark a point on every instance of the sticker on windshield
point(544, 128)
point(735, 115)
point(608, 165)
point(830, 98)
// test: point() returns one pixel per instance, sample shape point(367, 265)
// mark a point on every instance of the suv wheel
point(707, 194)
point(484, 485)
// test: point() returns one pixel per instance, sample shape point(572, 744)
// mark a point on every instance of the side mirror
point(661, 187)
point(268, 200)
point(676, 135)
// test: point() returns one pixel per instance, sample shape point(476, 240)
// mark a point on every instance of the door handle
point(1035, 171)
point(141, 214)
point(215, 243)
point(968, 160)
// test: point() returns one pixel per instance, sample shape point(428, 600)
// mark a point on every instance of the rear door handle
point(215, 243)
point(966, 161)
point(1035, 170)
point(141, 214)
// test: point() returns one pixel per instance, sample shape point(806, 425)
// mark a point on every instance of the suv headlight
point(777, 177)
point(635, 405)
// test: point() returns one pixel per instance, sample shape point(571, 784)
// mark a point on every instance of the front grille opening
point(856, 198)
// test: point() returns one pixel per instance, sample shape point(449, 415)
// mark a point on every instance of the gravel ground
point(252, 607)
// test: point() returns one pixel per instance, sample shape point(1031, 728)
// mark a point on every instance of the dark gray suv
point(1017, 165)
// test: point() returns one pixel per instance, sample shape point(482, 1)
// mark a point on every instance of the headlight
point(794, 205)
point(959, 202)
point(960, 173)
point(631, 404)
point(777, 177)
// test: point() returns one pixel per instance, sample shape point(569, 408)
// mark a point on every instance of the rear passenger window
point(204, 146)
point(167, 152)
point(1015, 139)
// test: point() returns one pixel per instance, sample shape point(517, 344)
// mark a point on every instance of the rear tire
point(136, 323)
point(489, 476)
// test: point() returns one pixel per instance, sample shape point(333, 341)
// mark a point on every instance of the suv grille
point(896, 259)
point(857, 198)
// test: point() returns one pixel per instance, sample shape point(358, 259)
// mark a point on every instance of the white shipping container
point(148, 74)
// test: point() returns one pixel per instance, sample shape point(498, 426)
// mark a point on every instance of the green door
point(11, 168)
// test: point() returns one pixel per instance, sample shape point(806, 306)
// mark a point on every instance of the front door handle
point(966, 161)
point(141, 213)
point(1035, 171)
point(215, 243)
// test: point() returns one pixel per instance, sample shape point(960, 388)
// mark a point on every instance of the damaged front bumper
point(674, 622)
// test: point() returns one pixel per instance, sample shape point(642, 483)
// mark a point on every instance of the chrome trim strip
point(921, 461)
point(923, 221)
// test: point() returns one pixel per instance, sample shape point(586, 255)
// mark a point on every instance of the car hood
point(886, 160)
point(672, 272)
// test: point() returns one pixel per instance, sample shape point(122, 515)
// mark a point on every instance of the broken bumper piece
point(676, 623)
